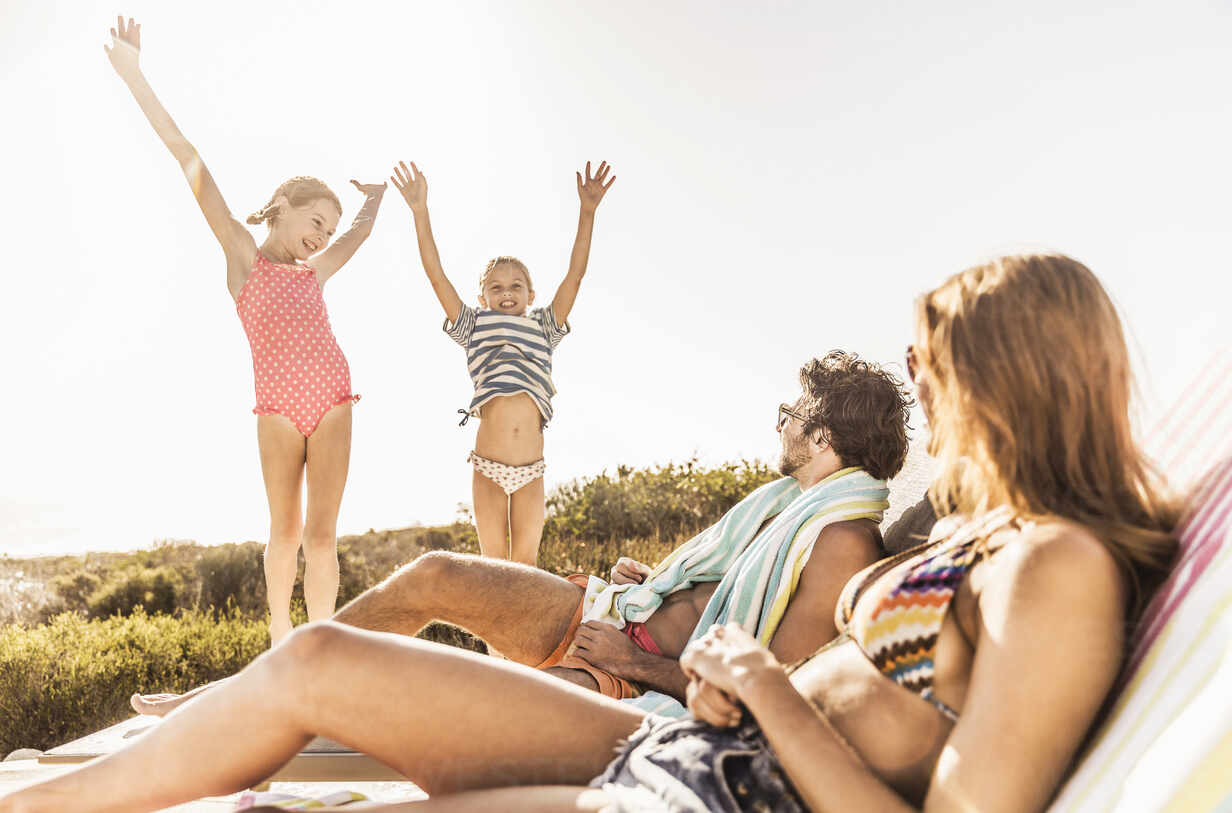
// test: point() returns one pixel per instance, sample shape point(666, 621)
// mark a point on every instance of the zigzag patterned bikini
point(900, 635)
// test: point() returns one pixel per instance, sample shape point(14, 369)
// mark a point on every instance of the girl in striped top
point(509, 357)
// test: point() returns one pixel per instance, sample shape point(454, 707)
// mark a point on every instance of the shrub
point(665, 502)
point(157, 590)
point(62, 680)
point(231, 575)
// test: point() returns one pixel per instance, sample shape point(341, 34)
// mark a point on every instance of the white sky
point(791, 176)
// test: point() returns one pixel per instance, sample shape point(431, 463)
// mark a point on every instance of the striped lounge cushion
point(1167, 743)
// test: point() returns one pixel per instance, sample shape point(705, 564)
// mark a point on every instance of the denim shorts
point(683, 764)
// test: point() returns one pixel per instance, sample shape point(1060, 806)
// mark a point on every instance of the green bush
point(157, 590)
point(231, 575)
point(62, 680)
point(665, 502)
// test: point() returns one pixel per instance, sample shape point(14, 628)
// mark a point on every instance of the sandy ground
point(19, 773)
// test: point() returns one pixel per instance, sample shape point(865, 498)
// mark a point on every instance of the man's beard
point(792, 457)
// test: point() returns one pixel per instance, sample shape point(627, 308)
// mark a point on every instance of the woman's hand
point(592, 189)
point(412, 184)
point(728, 658)
point(712, 705)
point(125, 47)
point(629, 571)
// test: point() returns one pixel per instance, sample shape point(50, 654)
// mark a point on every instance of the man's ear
point(483, 303)
point(530, 298)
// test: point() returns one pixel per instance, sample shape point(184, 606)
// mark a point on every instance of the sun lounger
point(321, 761)
point(1166, 744)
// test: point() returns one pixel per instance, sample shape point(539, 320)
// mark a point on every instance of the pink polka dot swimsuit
point(299, 369)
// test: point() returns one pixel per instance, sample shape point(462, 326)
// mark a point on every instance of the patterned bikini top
point(900, 634)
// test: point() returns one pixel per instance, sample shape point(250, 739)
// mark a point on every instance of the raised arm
point(590, 192)
point(414, 188)
point(237, 244)
point(329, 261)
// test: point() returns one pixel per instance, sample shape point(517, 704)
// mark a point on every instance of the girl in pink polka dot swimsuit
point(303, 383)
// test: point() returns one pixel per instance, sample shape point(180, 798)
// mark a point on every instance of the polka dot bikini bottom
point(509, 478)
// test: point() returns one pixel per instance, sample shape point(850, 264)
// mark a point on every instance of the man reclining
point(775, 563)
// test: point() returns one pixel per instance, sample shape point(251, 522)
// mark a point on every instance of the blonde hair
point(1029, 407)
point(505, 260)
point(300, 191)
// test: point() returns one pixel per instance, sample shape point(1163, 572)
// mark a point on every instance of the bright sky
point(791, 176)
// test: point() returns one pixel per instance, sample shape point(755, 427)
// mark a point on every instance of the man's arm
point(841, 551)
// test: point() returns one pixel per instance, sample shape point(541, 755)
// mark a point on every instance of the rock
point(24, 753)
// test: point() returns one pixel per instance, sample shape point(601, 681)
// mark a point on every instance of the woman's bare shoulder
point(1059, 558)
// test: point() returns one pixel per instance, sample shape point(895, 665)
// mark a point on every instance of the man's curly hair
point(860, 408)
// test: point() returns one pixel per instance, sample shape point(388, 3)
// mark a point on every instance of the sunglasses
point(786, 411)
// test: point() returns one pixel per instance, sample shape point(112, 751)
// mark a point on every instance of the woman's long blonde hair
point(1029, 407)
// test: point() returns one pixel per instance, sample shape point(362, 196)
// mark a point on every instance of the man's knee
point(426, 578)
point(434, 567)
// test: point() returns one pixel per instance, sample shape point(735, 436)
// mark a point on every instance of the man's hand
point(592, 189)
point(125, 47)
point(606, 647)
point(412, 184)
point(629, 571)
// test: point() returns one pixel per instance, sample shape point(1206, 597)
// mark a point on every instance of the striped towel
point(286, 801)
point(757, 573)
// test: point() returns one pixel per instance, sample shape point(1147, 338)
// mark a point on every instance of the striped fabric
point(1166, 744)
point(900, 634)
point(757, 572)
point(508, 354)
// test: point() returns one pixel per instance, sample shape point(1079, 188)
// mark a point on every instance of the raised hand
point(591, 189)
point(370, 190)
point(412, 184)
point(125, 47)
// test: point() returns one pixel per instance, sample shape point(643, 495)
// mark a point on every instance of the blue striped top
point(508, 354)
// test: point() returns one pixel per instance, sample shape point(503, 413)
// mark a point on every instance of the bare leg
point(526, 510)
point(283, 451)
point(491, 516)
point(329, 454)
point(522, 611)
point(441, 716)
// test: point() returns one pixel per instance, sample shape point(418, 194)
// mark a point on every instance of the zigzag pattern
point(900, 634)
